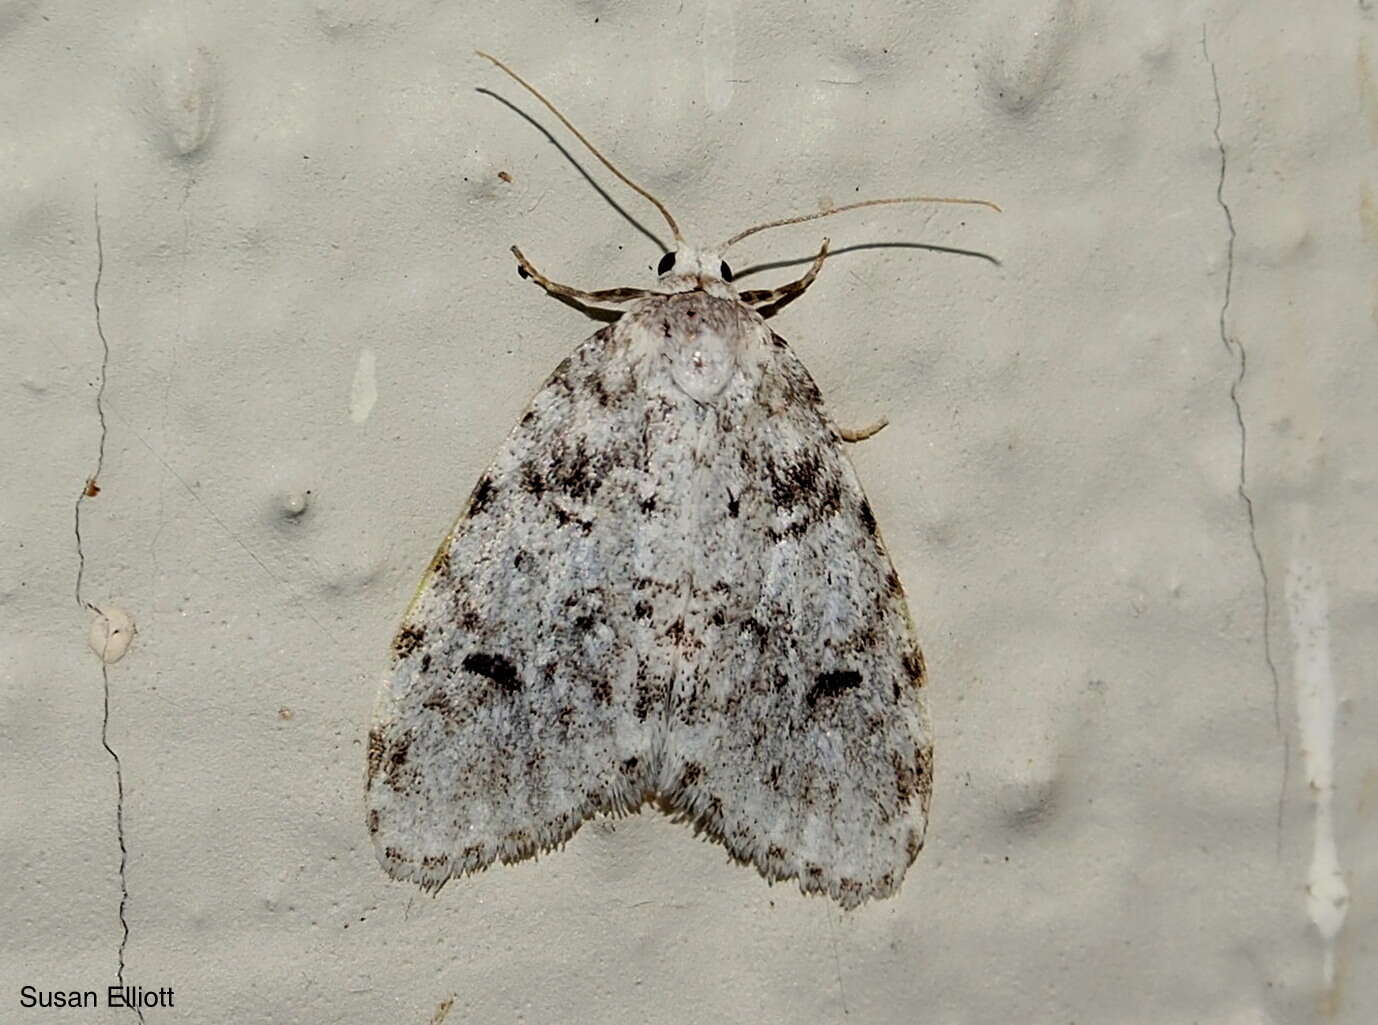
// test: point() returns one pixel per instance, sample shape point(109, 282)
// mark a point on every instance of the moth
point(667, 588)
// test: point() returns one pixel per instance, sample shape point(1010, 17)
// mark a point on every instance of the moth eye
point(667, 262)
point(725, 271)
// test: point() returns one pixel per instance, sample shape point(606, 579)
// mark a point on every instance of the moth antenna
point(590, 146)
point(852, 206)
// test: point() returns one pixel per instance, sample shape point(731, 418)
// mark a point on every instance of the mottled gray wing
point(798, 734)
point(521, 699)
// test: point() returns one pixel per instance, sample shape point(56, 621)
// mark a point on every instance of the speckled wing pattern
point(669, 586)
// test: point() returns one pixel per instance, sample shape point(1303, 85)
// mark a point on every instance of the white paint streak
point(363, 393)
point(719, 52)
point(1308, 615)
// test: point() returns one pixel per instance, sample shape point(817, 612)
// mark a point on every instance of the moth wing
point(517, 705)
point(798, 735)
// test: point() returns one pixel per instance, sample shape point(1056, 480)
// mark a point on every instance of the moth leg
point(614, 297)
point(862, 433)
point(771, 301)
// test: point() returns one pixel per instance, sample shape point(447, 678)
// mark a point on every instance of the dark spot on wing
point(602, 690)
point(494, 667)
point(562, 373)
point(893, 585)
point(564, 518)
point(734, 505)
point(907, 778)
point(831, 684)
point(675, 631)
point(532, 480)
point(849, 892)
point(642, 610)
point(575, 473)
point(408, 639)
point(442, 562)
point(649, 695)
point(395, 761)
point(691, 774)
point(803, 481)
point(913, 844)
point(868, 518)
point(373, 821)
point(482, 494)
point(913, 666)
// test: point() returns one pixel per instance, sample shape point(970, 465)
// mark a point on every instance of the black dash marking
point(483, 492)
point(831, 684)
point(495, 667)
point(868, 518)
point(734, 505)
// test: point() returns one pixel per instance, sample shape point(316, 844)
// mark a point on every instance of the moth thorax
point(702, 358)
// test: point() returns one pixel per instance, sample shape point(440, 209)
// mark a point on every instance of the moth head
point(687, 269)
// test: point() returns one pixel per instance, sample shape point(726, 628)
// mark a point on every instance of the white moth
point(668, 587)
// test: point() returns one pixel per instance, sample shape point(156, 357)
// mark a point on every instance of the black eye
point(667, 263)
point(725, 271)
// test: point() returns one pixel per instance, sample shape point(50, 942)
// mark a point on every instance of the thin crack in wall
point(1236, 349)
point(89, 490)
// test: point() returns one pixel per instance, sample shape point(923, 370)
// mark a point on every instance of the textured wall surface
point(255, 285)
